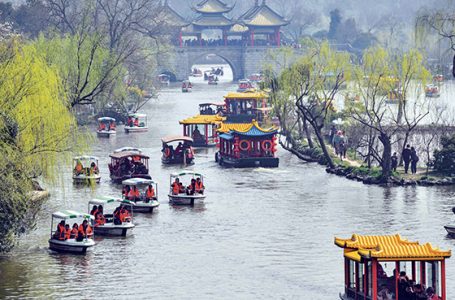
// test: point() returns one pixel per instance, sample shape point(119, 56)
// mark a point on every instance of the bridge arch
point(235, 68)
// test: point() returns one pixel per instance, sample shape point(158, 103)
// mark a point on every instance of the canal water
point(260, 234)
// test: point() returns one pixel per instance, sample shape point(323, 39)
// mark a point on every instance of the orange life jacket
point(87, 232)
point(150, 193)
point(175, 188)
point(68, 234)
point(136, 122)
point(134, 193)
point(124, 215)
point(73, 234)
point(95, 212)
point(199, 186)
point(78, 168)
point(62, 232)
point(100, 220)
point(102, 126)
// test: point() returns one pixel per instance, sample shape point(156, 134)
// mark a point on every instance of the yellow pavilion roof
point(244, 127)
point(246, 95)
point(263, 15)
point(203, 119)
point(212, 6)
point(388, 247)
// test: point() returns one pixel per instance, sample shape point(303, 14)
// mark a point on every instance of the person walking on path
point(414, 160)
point(406, 158)
point(394, 163)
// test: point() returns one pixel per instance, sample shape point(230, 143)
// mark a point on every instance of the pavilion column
point(252, 38)
point(278, 37)
point(397, 277)
point(346, 274)
point(199, 38)
point(422, 272)
point(374, 278)
point(184, 130)
point(443, 279)
point(180, 39)
point(206, 134)
point(225, 37)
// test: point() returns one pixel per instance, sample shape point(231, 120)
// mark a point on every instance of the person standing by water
point(394, 161)
point(406, 158)
point(414, 160)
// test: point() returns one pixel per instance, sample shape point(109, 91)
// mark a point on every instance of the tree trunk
point(324, 147)
point(386, 156)
point(405, 142)
point(307, 133)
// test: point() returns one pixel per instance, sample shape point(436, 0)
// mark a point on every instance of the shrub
point(444, 159)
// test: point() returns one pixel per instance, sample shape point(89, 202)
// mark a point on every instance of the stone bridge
point(243, 61)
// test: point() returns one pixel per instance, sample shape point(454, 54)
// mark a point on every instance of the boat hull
point(83, 179)
point(255, 162)
point(105, 133)
point(111, 229)
point(183, 199)
point(175, 161)
point(450, 229)
point(143, 207)
point(129, 129)
point(186, 90)
point(71, 246)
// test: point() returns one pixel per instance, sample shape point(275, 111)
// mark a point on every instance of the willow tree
point(313, 81)
point(36, 128)
point(380, 75)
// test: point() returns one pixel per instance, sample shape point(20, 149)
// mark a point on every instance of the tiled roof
point(212, 6)
point(263, 15)
point(246, 95)
point(250, 129)
point(203, 119)
point(217, 20)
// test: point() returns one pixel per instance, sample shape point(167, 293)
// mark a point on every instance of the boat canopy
point(203, 119)
point(249, 129)
point(212, 103)
point(174, 138)
point(102, 200)
point(388, 248)
point(137, 115)
point(118, 155)
point(127, 149)
point(85, 158)
point(186, 81)
point(106, 119)
point(248, 95)
point(185, 173)
point(71, 214)
point(138, 181)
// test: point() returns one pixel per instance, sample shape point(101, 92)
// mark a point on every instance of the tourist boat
point(245, 85)
point(243, 107)
point(186, 86)
point(432, 91)
point(128, 164)
point(196, 73)
point(128, 149)
point(136, 123)
point(106, 127)
point(202, 129)
point(173, 154)
point(393, 97)
point(257, 77)
point(438, 78)
point(372, 266)
point(212, 108)
point(183, 198)
point(86, 170)
point(164, 79)
point(213, 79)
point(141, 204)
point(70, 245)
point(247, 145)
point(110, 228)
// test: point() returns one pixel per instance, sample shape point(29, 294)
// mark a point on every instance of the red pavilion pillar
point(443, 279)
point(206, 134)
point(374, 275)
point(278, 37)
point(180, 39)
point(225, 37)
point(252, 38)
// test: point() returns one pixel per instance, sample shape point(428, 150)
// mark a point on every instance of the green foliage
point(444, 159)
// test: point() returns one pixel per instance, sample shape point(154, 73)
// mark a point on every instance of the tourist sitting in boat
point(179, 150)
point(60, 233)
point(94, 210)
point(150, 194)
point(99, 217)
point(134, 194)
point(176, 186)
point(121, 215)
point(79, 168)
point(199, 186)
point(74, 231)
point(125, 191)
point(136, 122)
point(191, 188)
point(94, 168)
point(67, 232)
point(112, 125)
point(130, 121)
point(102, 126)
point(85, 231)
point(196, 134)
point(384, 293)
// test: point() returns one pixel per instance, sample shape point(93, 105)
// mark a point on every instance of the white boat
point(187, 86)
point(110, 228)
point(70, 245)
point(183, 198)
point(432, 91)
point(141, 203)
point(164, 79)
point(128, 149)
point(86, 170)
point(106, 127)
point(450, 229)
point(136, 123)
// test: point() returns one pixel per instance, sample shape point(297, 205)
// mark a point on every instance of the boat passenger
point(117, 218)
point(102, 126)
point(99, 217)
point(85, 231)
point(74, 231)
point(176, 186)
point(94, 168)
point(124, 215)
point(126, 191)
point(136, 122)
point(150, 193)
point(199, 186)
point(94, 210)
point(112, 126)
point(191, 188)
point(67, 232)
point(196, 133)
point(179, 149)
point(78, 168)
point(60, 232)
point(134, 194)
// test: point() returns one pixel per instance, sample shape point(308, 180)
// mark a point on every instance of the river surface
point(260, 234)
